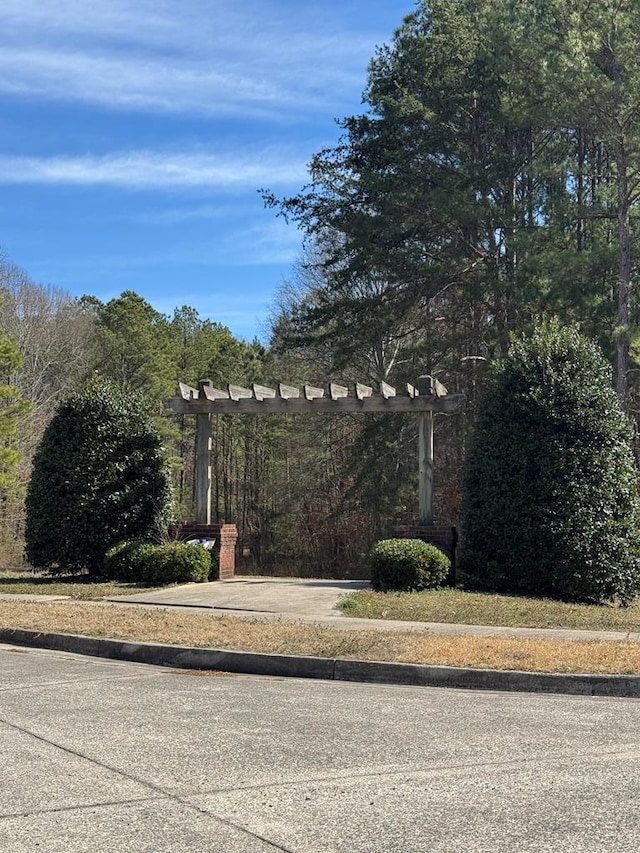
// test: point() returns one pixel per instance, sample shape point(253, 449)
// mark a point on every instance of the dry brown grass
point(195, 629)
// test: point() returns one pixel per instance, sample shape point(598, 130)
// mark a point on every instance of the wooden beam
point(261, 392)
point(237, 392)
point(363, 391)
point(308, 405)
point(387, 390)
point(212, 393)
point(425, 467)
point(311, 393)
point(438, 389)
point(187, 392)
point(287, 392)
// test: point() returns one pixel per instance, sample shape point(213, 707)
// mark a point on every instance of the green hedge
point(99, 476)
point(158, 565)
point(125, 561)
point(550, 487)
point(407, 564)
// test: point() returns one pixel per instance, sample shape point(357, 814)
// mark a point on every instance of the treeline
point(492, 181)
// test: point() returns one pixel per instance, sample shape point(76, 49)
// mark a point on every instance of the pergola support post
point(203, 469)
point(425, 468)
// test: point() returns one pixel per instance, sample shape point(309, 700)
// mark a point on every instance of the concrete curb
point(330, 669)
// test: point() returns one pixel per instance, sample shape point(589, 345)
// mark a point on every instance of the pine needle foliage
point(550, 500)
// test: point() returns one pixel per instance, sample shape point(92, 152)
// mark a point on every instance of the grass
point(76, 587)
point(203, 630)
point(85, 615)
point(472, 608)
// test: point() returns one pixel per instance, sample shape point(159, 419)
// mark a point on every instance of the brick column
point(226, 536)
point(227, 553)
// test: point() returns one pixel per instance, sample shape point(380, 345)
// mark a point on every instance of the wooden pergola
point(426, 398)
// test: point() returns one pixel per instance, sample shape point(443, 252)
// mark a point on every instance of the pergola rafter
point(426, 398)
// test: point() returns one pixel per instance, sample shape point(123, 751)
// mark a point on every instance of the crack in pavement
point(17, 688)
point(157, 789)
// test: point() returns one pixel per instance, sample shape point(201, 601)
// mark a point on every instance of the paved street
point(109, 756)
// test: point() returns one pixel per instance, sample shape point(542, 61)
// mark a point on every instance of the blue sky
point(134, 135)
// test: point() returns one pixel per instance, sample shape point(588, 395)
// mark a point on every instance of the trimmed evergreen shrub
point(214, 571)
point(550, 492)
point(126, 561)
point(160, 565)
point(407, 564)
point(175, 562)
point(99, 476)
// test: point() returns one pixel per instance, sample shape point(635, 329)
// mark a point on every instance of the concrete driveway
point(113, 757)
point(256, 595)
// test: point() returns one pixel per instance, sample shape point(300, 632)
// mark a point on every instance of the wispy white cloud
point(262, 243)
point(110, 17)
point(148, 170)
point(182, 57)
point(137, 83)
point(182, 76)
point(191, 213)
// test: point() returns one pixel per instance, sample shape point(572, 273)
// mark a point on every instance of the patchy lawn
point(472, 608)
point(77, 587)
point(195, 629)
point(85, 615)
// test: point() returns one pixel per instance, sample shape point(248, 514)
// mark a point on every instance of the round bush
point(175, 562)
point(126, 561)
point(550, 488)
point(407, 564)
point(160, 565)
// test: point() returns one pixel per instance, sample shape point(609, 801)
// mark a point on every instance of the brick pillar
point(227, 553)
point(226, 536)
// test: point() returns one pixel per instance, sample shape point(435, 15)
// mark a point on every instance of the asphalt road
point(102, 755)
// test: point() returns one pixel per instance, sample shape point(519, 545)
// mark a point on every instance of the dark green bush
point(176, 562)
point(126, 561)
point(407, 564)
point(214, 571)
point(99, 476)
point(550, 491)
point(160, 565)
